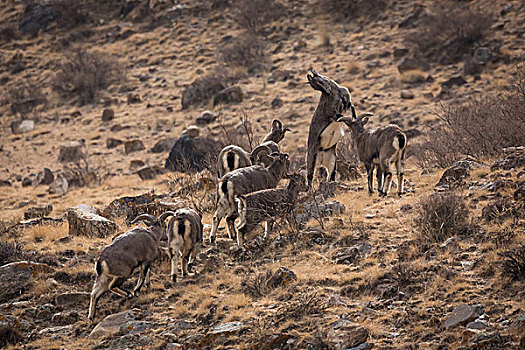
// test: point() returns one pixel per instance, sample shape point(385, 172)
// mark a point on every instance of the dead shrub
point(343, 10)
point(9, 335)
point(307, 304)
point(257, 285)
point(24, 97)
point(247, 50)
point(8, 32)
point(84, 74)
point(440, 216)
point(513, 264)
point(480, 128)
point(450, 32)
point(254, 15)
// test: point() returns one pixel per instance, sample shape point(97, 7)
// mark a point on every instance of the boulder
point(71, 152)
point(65, 318)
point(22, 126)
point(232, 94)
point(38, 212)
point(206, 118)
point(222, 330)
point(164, 145)
point(457, 80)
point(277, 102)
point(515, 158)
point(201, 91)
point(83, 221)
point(133, 98)
point(112, 324)
point(456, 174)
point(59, 186)
point(407, 94)
point(193, 154)
point(345, 334)
point(463, 314)
point(26, 181)
point(133, 146)
point(37, 17)
point(45, 177)
point(108, 114)
point(148, 172)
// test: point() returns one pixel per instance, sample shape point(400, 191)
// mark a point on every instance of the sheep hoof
point(190, 267)
point(174, 278)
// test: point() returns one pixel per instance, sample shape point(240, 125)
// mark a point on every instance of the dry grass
point(413, 77)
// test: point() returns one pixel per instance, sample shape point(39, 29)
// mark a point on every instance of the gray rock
point(222, 330)
point(22, 126)
point(463, 314)
point(148, 172)
point(136, 164)
point(112, 324)
point(460, 170)
point(206, 117)
point(232, 94)
point(63, 331)
point(476, 325)
point(133, 98)
point(345, 334)
point(37, 18)
point(16, 277)
point(347, 256)
point(407, 94)
point(112, 143)
point(71, 152)
point(457, 80)
point(164, 145)
point(78, 299)
point(59, 186)
point(83, 222)
point(133, 146)
point(277, 102)
point(65, 318)
point(45, 177)
point(38, 212)
point(108, 114)
point(487, 341)
point(363, 346)
point(26, 181)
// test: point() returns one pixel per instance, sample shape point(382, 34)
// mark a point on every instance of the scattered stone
point(60, 186)
point(148, 172)
point(347, 256)
point(108, 114)
point(281, 277)
point(476, 325)
point(85, 222)
point(206, 117)
point(201, 91)
point(58, 331)
point(22, 126)
point(406, 64)
point(65, 318)
point(164, 145)
point(487, 341)
point(26, 181)
point(136, 164)
point(518, 326)
point(407, 94)
point(399, 52)
point(38, 212)
point(345, 334)
point(232, 94)
point(463, 314)
point(454, 81)
point(223, 330)
point(45, 177)
point(112, 143)
point(277, 102)
point(78, 299)
point(280, 75)
point(5, 183)
point(133, 98)
point(133, 146)
point(71, 152)
point(515, 158)
point(363, 346)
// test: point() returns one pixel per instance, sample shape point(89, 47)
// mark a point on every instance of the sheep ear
point(365, 120)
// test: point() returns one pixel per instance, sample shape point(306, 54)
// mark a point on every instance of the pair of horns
point(341, 118)
point(153, 220)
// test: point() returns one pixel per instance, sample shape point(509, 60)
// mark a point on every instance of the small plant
point(24, 97)
point(513, 264)
point(254, 15)
point(11, 251)
point(440, 216)
point(447, 34)
point(257, 285)
point(84, 74)
point(246, 51)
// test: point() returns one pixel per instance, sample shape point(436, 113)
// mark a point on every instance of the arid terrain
point(94, 95)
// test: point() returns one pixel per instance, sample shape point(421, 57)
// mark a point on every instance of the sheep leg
point(173, 260)
point(147, 283)
point(217, 217)
point(100, 287)
point(311, 160)
point(387, 173)
point(240, 236)
point(184, 264)
point(380, 179)
point(400, 177)
point(142, 277)
point(115, 288)
point(268, 225)
point(370, 174)
point(193, 256)
point(331, 165)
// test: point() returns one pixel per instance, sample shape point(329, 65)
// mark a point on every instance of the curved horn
point(277, 124)
point(147, 217)
point(366, 114)
point(353, 111)
point(314, 72)
point(345, 119)
point(166, 215)
point(261, 148)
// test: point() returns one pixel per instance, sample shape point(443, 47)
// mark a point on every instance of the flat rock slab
point(71, 152)
point(222, 330)
point(84, 222)
point(113, 324)
point(463, 314)
point(72, 299)
point(15, 278)
point(345, 334)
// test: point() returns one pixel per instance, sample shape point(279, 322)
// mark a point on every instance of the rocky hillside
point(95, 95)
